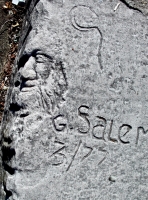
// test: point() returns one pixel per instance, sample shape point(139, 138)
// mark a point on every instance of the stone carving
point(89, 21)
point(39, 89)
point(76, 118)
point(42, 82)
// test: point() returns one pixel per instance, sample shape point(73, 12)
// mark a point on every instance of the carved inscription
point(109, 134)
point(99, 130)
point(73, 157)
point(140, 130)
point(83, 113)
point(57, 125)
point(123, 130)
point(58, 153)
point(59, 157)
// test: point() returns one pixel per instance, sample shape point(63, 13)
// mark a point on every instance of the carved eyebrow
point(46, 55)
point(25, 57)
point(39, 52)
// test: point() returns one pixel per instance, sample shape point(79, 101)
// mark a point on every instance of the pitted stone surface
point(76, 117)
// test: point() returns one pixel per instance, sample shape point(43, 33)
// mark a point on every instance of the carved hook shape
point(83, 18)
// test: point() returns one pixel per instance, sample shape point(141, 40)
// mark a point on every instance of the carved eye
point(41, 58)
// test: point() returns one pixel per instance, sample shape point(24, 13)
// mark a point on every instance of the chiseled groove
point(130, 7)
point(81, 28)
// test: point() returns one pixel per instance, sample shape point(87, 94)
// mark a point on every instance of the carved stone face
point(42, 82)
point(40, 91)
point(35, 71)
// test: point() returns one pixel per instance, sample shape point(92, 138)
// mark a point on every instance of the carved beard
point(42, 98)
point(47, 95)
point(51, 99)
point(48, 99)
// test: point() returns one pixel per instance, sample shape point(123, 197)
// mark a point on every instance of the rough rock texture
point(11, 18)
point(75, 123)
point(4, 52)
point(3, 57)
point(140, 5)
point(4, 45)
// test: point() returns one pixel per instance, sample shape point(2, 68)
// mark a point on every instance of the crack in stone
point(7, 192)
point(7, 154)
point(130, 6)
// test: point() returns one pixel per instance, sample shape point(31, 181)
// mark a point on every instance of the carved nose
point(28, 71)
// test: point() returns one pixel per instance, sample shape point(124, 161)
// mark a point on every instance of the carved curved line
point(81, 28)
point(59, 163)
point(76, 25)
point(128, 129)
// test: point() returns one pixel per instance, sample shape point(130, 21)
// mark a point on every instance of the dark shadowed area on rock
point(141, 5)
point(11, 18)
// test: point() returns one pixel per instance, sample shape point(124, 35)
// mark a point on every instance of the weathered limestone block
point(76, 119)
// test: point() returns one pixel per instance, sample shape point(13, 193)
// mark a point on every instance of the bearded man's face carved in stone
point(42, 81)
point(36, 71)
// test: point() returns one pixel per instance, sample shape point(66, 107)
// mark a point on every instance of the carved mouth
point(27, 85)
point(30, 83)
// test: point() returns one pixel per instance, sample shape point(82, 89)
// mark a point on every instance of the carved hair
point(52, 81)
point(53, 96)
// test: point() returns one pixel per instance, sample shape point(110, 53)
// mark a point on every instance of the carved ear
point(83, 18)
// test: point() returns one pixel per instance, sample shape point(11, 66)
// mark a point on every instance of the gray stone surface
point(141, 5)
point(75, 125)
